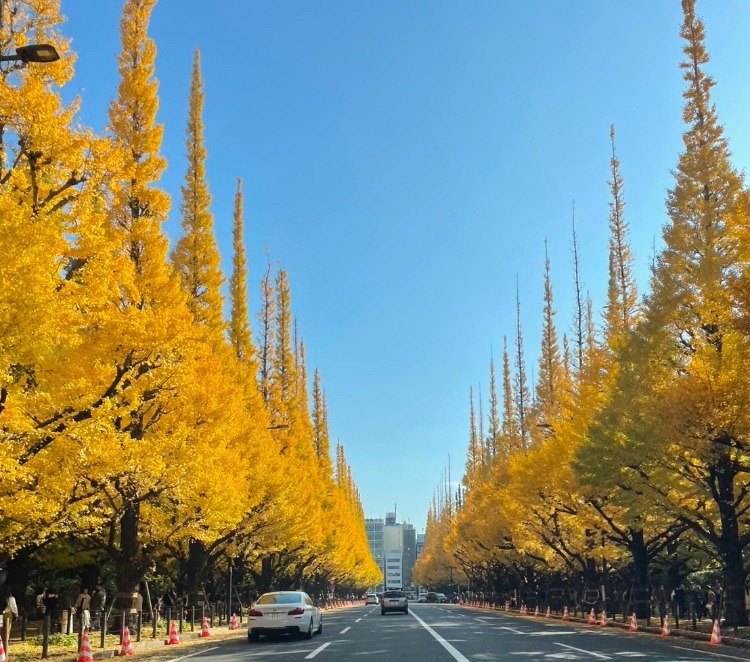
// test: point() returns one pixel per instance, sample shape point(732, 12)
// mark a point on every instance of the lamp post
point(42, 53)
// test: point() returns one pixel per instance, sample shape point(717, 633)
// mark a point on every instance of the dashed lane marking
point(600, 656)
point(182, 657)
point(317, 650)
point(692, 650)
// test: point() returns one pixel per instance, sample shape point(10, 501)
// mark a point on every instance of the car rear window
point(279, 599)
point(394, 594)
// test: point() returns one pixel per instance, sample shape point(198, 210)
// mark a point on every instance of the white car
point(372, 599)
point(284, 612)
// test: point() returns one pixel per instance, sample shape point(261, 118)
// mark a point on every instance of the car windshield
point(279, 599)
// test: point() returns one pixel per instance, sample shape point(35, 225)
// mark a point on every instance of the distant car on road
point(394, 601)
point(372, 599)
point(422, 598)
point(432, 596)
point(284, 612)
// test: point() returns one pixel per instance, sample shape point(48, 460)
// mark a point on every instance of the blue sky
point(405, 161)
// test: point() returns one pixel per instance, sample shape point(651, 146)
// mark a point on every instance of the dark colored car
point(436, 597)
point(394, 601)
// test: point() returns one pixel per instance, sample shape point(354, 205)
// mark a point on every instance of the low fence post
point(102, 627)
point(139, 624)
point(192, 618)
point(47, 623)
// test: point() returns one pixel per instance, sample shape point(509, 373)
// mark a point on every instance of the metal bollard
point(182, 618)
point(192, 618)
point(139, 623)
point(102, 627)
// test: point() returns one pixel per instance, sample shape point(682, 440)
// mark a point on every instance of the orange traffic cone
point(566, 615)
point(536, 611)
point(204, 628)
point(603, 620)
point(174, 638)
point(715, 635)
point(85, 654)
point(127, 645)
point(665, 631)
point(235, 624)
point(633, 626)
point(549, 612)
point(592, 617)
point(3, 657)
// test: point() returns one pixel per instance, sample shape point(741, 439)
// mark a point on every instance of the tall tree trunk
point(639, 598)
point(729, 544)
point(195, 568)
point(130, 563)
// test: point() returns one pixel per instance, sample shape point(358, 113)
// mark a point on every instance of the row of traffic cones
point(666, 629)
point(85, 654)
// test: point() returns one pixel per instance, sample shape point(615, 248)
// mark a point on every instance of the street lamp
point(32, 53)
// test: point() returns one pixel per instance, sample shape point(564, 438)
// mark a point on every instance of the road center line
point(456, 655)
point(601, 656)
point(346, 629)
point(317, 650)
point(702, 652)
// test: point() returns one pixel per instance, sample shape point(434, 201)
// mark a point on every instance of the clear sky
point(404, 161)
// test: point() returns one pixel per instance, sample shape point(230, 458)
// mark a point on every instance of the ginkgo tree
point(122, 398)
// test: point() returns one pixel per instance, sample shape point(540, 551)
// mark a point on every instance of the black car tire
point(252, 636)
point(406, 610)
point(310, 631)
point(320, 628)
point(382, 612)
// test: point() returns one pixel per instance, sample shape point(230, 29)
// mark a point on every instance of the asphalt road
point(449, 633)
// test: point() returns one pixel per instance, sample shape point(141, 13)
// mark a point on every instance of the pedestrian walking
point(83, 607)
point(98, 601)
point(10, 610)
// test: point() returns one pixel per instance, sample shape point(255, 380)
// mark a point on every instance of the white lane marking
point(317, 650)
point(203, 650)
point(456, 655)
point(358, 620)
point(345, 630)
point(513, 630)
point(702, 652)
point(601, 656)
